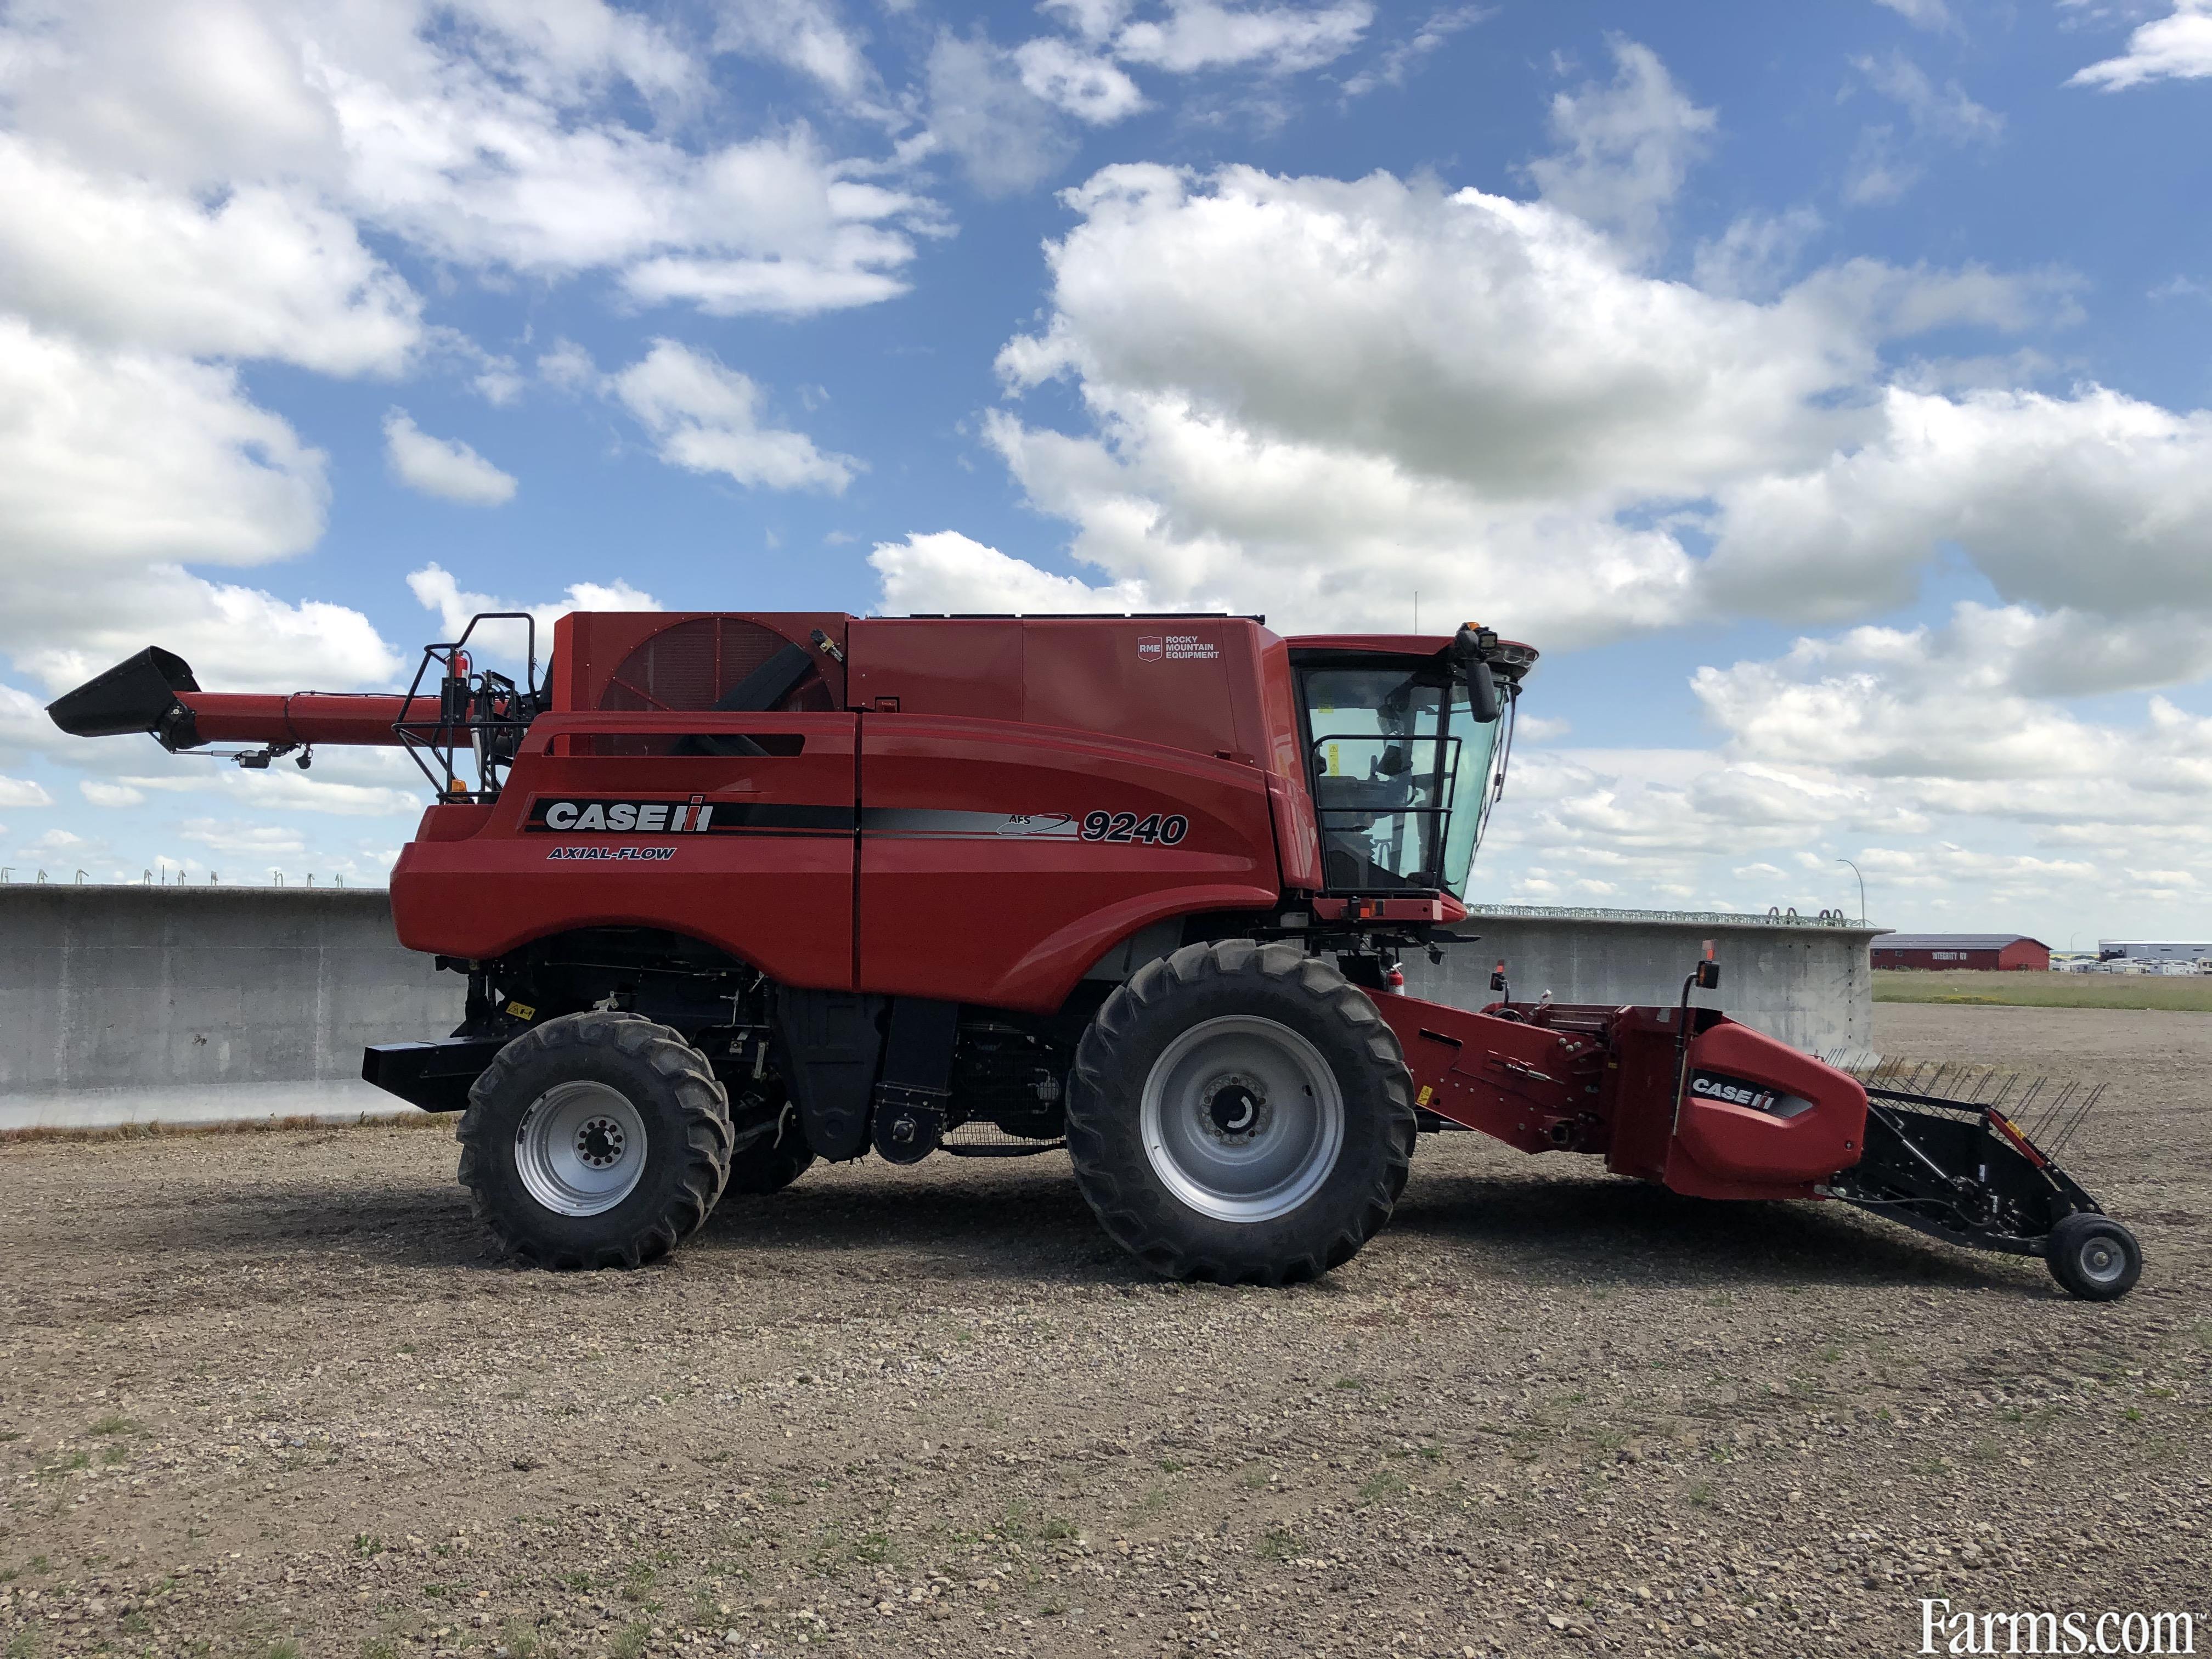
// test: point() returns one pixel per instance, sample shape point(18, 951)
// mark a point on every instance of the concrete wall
point(126, 1003)
point(1805, 983)
point(122, 1004)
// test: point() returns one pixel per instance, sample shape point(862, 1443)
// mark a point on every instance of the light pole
point(1856, 872)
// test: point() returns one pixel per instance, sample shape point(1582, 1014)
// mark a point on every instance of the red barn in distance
point(1939, 950)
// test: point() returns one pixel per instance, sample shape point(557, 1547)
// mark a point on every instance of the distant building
point(1937, 951)
point(2148, 949)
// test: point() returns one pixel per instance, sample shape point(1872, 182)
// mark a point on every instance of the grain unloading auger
point(734, 892)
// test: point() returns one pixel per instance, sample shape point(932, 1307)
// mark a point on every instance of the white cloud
point(805, 35)
point(982, 111)
point(1883, 165)
point(1397, 63)
point(2177, 47)
point(1923, 14)
point(112, 795)
point(436, 588)
point(1084, 84)
point(707, 418)
point(23, 792)
point(122, 466)
point(1314, 397)
point(445, 467)
point(491, 134)
point(946, 571)
point(2097, 501)
point(266, 273)
point(1204, 34)
point(1945, 112)
point(1628, 147)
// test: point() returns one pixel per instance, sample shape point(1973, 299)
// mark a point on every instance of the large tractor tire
point(595, 1140)
point(1240, 1113)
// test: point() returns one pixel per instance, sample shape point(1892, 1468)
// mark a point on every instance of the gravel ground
point(268, 1395)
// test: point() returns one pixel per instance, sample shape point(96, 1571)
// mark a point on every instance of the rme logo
point(1710, 1085)
point(643, 817)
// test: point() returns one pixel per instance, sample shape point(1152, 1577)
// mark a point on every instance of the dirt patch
point(269, 1394)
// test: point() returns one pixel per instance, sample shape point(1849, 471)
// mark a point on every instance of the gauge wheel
point(595, 1140)
point(2094, 1257)
point(1240, 1113)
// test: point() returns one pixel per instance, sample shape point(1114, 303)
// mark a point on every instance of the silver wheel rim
point(1242, 1118)
point(580, 1148)
point(2102, 1260)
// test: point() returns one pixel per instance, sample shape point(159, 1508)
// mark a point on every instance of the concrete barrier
point(1807, 983)
point(133, 1004)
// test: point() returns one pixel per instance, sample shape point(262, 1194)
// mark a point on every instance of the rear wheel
point(595, 1140)
point(2094, 1257)
point(1240, 1113)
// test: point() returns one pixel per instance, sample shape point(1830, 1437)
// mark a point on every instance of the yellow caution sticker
point(1425, 1092)
point(521, 1010)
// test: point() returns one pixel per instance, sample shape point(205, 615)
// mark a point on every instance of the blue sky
point(1822, 388)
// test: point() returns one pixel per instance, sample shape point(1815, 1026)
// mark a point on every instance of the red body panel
point(771, 881)
point(977, 884)
point(1604, 1080)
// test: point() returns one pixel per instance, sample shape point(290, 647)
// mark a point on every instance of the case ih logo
point(1149, 648)
point(643, 817)
point(1734, 1091)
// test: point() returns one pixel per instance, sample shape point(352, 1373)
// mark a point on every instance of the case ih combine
point(735, 892)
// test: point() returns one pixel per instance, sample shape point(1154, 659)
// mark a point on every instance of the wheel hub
point(1234, 1108)
point(580, 1148)
point(1242, 1118)
point(600, 1143)
point(2101, 1259)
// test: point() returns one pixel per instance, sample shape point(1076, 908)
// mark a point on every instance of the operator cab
point(1405, 751)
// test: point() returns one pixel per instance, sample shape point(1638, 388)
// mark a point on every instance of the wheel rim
point(2101, 1259)
point(580, 1148)
point(1242, 1118)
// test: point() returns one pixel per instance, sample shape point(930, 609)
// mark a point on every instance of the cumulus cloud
point(125, 466)
point(982, 111)
point(111, 795)
point(445, 467)
point(1626, 146)
point(436, 588)
point(501, 142)
point(805, 35)
point(1085, 85)
point(2175, 47)
point(267, 272)
point(705, 417)
point(1203, 35)
point(1318, 396)
point(945, 571)
point(23, 792)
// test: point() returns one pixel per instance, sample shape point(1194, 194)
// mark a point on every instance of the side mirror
point(1482, 693)
point(1470, 653)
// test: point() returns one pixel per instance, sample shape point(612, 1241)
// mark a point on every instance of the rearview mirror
point(1482, 692)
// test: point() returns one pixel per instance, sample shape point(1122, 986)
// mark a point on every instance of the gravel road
point(268, 1395)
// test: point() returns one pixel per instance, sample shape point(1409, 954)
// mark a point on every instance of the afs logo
point(1151, 648)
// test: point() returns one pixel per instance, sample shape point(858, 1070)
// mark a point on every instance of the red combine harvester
point(735, 892)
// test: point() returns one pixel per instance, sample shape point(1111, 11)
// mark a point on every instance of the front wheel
point(2094, 1257)
point(595, 1140)
point(1240, 1113)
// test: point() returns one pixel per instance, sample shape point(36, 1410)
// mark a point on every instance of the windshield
point(1401, 772)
